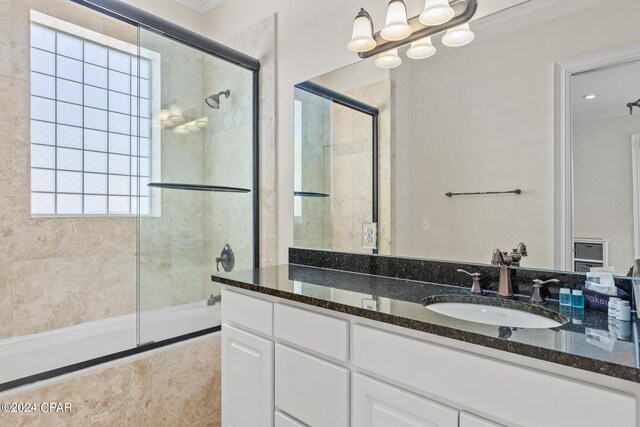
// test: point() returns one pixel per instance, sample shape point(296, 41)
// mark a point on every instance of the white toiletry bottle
point(613, 301)
point(623, 311)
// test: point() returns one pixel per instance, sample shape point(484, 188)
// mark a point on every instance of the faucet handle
point(475, 287)
point(536, 294)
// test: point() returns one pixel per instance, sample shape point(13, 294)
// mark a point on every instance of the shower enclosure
point(201, 184)
point(139, 180)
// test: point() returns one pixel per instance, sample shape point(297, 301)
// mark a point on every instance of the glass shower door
point(196, 175)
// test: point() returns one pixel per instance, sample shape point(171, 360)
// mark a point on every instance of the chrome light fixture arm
point(421, 31)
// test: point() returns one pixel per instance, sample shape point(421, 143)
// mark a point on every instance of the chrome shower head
point(214, 100)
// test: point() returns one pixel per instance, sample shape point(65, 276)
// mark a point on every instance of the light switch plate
point(370, 235)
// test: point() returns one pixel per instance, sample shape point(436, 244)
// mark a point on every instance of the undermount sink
point(494, 311)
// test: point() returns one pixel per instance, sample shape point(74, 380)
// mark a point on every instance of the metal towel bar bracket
point(516, 191)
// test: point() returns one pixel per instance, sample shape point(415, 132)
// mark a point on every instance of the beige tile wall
point(176, 386)
point(57, 271)
point(343, 167)
point(259, 41)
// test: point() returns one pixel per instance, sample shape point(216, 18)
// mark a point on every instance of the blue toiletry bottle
point(577, 299)
point(565, 297)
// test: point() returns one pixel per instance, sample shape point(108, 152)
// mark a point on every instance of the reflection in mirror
point(491, 118)
point(334, 137)
point(604, 189)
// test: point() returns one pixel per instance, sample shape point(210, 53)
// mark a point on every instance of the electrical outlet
point(369, 235)
point(369, 304)
point(426, 226)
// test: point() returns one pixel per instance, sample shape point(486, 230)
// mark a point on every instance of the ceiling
point(485, 7)
point(614, 87)
point(201, 6)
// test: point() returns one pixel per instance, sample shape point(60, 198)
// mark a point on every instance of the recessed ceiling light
point(590, 96)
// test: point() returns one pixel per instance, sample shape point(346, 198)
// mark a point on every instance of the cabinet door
point(468, 420)
point(284, 421)
point(311, 390)
point(376, 404)
point(247, 379)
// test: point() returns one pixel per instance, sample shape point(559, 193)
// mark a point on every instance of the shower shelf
point(309, 194)
point(198, 187)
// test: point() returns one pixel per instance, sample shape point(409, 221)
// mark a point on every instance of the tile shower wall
point(228, 145)
point(54, 272)
point(313, 225)
point(176, 386)
point(172, 244)
point(337, 160)
point(229, 138)
point(259, 41)
point(351, 169)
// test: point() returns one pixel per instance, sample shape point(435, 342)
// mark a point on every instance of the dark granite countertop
point(588, 341)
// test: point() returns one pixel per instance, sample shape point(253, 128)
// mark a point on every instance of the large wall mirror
point(534, 110)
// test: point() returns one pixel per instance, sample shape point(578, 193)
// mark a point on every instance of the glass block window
point(90, 127)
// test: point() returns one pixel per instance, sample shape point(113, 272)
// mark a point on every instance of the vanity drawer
point(312, 390)
point(243, 310)
point(488, 386)
point(284, 421)
point(376, 404)
point(317, 332)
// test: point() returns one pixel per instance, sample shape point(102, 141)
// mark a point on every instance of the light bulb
point(458, 36)
point(362, 38)
point(396, 26)
point(436, 12)
point(388, 59)
point(421, 49)
point(180, 130)
point(175, 113)
point(191, 127)
point(202, 122)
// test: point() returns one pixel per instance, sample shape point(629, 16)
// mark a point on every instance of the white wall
point(311, 40)
point(172, 11)
point(603, 201)
point(480, 118)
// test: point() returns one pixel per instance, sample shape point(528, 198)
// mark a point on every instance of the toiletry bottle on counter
point(577, 299)
point(623, 311)
point(565, 296)
point(612, 309)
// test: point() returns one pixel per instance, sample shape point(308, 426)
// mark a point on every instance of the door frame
point(635, 165)
point(563, 70)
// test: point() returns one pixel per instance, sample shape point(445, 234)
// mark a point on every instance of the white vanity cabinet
point(468, 420)
point(376, 404)
point(297, 365)
point(247, 379)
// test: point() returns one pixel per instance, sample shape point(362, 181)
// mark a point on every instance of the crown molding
point(526, 14)
point(602, 113)
point(200, 6)
point(522, 15)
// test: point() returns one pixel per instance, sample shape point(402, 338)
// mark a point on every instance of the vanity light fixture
point(175, 114)
point(590, 96)
point(438, 16)
point(180, 130)
point(421, 49)
point(396, 26)
point(388, 59)
point(436, 12)
point(362, 37)
point(458, 36)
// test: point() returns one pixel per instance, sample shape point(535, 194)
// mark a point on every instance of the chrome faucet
point(504, 261)
point(475, 286)
point(517, 254)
